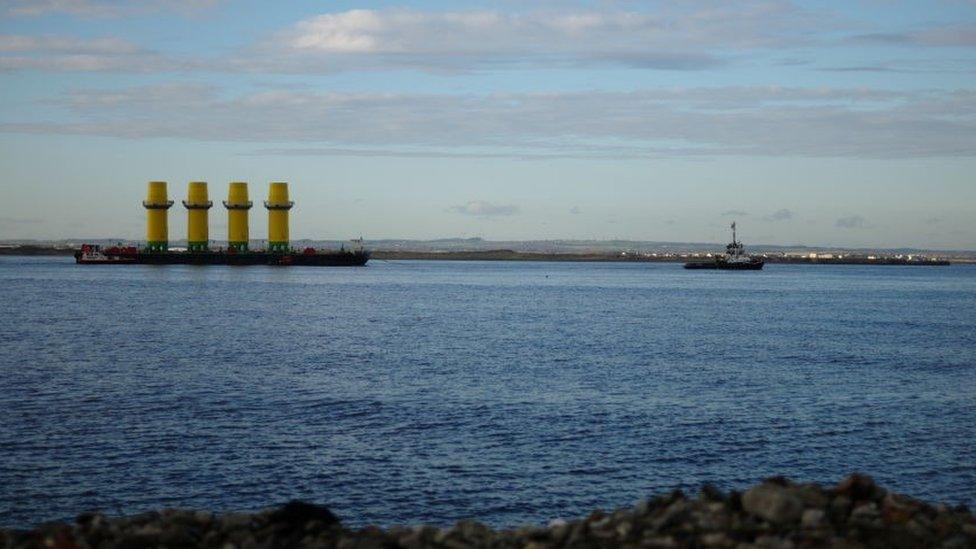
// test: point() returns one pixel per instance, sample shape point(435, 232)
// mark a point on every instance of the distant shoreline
point(511, 255)
point(581, 257)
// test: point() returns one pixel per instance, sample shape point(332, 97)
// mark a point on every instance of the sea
point(513, 393)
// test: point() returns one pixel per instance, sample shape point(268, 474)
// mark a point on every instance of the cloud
point(943, 35)
point(671, 37)
point(68, 53)
point(101, 8)
point(851, 222)
point(653, 123)
point(779, 215)
point(747, 24)
point(734, 213)
point(480, 208)
point(65, 44)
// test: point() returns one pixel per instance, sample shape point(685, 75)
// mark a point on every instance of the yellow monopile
point(197, 206)
point(278, 206)
point(157, 226)
point(237, 206)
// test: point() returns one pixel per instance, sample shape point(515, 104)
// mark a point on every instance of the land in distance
point(556, 250)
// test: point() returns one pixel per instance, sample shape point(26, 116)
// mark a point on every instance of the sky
point(848, 123)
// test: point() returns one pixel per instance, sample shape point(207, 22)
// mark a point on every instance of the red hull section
point(94, 255)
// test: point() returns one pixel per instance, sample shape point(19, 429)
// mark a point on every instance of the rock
point(295, 513)
point(577, 534)
point(559, 532)
point(178, 536)
point(709, 492)
point(776, 513)
point(660, 542)
point(839, 509)
point(672, 515)
point(471, 531)
point(234, 521)
point(812, 518)
point(624, 529)
point(866, 515)
point(858, 487)
point(812, 496)
point(642, 507)
point(773, 542)
point(772, 502)
point(956, 542)
point(716, 539)
point(896, 509)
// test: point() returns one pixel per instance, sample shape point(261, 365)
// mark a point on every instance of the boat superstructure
point(734, 259)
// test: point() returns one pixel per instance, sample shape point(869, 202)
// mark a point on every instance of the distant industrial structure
point(198, 252)
point(198, 205)
point(238, 206)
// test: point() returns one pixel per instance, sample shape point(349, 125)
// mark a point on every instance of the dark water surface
point(510, 392)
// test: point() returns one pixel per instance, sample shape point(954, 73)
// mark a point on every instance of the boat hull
point(318, 259)
point(726, 266)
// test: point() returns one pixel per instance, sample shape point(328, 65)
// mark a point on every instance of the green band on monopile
point(197, 246)
point(277, 246)
point(237, 246)
point(157, 246)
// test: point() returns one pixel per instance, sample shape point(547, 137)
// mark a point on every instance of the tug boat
point(734, 259)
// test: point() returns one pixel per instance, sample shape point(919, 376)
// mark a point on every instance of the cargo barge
point(93, 254)
point(157, 252)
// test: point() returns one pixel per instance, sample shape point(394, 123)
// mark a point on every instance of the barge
point(93, 254)
point(279, 251)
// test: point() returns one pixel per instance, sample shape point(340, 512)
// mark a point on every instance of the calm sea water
point(510, 392)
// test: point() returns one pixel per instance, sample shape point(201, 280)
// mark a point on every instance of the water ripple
point(429, 392)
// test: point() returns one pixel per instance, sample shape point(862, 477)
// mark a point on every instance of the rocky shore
point(776, 513)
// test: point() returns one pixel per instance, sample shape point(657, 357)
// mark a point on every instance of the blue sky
point(819, 123)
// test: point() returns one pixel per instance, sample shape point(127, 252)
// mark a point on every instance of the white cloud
point(693, 36)
point(696, 35)
point(757, 23)
point(640, 124)
point(480, 208)
point(672, 36)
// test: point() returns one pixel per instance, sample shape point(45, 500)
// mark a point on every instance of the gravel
point(776, 513)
